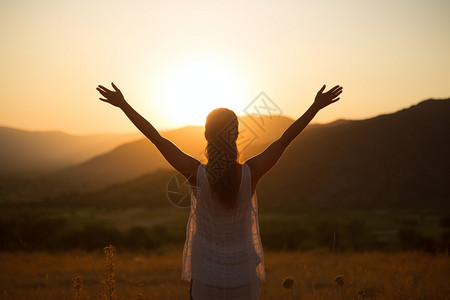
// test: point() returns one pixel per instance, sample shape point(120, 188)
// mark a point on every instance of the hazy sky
point(176, 60)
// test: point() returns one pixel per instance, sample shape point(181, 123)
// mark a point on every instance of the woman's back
point(223, 253)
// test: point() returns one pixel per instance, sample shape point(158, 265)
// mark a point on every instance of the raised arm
point(183, 163)
point(262, 163)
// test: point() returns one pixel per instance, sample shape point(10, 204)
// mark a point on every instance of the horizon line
point(54, 130)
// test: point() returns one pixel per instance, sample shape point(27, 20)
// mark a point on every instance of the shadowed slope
point(399, 158)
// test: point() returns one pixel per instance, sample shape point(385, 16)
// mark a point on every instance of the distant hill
point(123, 163)
point(25, 153)
point(391, 160)
point(130, 160)
point(137, 158)
point(394, 159)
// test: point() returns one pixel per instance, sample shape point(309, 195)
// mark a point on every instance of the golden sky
point(176, 60)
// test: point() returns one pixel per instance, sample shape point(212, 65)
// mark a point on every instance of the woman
point(222, 255)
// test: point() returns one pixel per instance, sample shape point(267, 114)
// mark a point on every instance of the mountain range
point(26, 153)
point(401, 158)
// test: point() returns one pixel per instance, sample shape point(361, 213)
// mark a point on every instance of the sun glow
point(189, 90)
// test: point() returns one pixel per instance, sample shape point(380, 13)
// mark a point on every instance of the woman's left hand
point(112, 97)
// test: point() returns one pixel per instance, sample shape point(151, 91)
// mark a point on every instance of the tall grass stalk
point(288, 283)
point(340, 282)
point(77, 283)
point(110, 273)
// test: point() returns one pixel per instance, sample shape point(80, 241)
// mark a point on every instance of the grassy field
point(40, 261)
point(371, 275)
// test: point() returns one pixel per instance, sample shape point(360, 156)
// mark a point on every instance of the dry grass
point(150, 276)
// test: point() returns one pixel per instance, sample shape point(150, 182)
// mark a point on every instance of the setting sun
point(175, 61)
point(194, 86)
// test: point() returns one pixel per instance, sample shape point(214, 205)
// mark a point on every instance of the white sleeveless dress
point(223, 254)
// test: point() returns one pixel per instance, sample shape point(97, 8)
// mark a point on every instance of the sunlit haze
point(193, 86)
point(177, 60)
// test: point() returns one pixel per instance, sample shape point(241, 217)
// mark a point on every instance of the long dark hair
point(221, 132)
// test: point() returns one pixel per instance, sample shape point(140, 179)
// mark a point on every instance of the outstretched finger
point(115, 87)
point(335, 88)
point(103, 88)
point(104, 94)
point(104, 100)
point(337, 92)
point(322, 89)
point(335, 100)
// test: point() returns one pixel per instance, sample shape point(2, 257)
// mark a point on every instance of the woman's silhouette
point(222, 255)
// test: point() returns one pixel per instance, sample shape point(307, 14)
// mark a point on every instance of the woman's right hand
point(325, 99)
point(112, 97)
